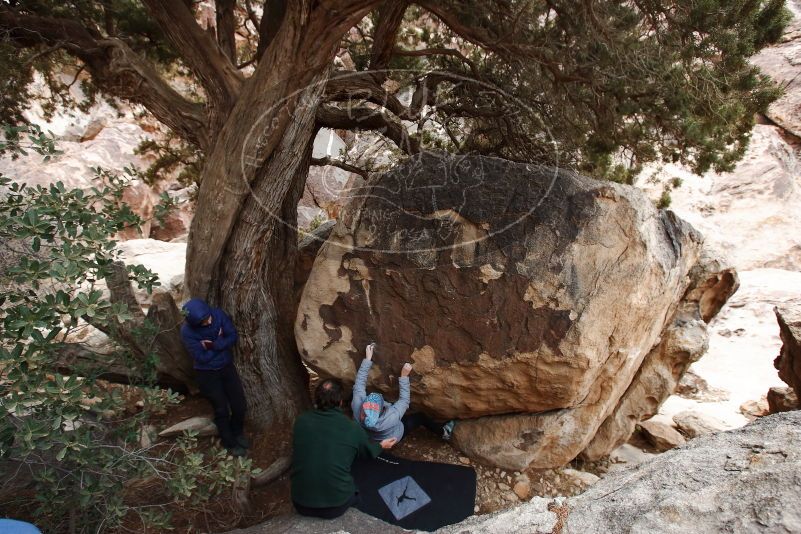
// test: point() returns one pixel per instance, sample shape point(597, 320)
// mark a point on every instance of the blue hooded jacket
point(220, 332)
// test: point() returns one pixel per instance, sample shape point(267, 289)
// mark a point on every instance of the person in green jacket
point(325, 443)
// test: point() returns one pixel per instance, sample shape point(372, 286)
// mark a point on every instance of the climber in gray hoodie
point(382, 419)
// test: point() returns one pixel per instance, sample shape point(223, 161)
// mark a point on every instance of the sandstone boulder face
point(308, 247)
point(789, 360)
point(684, 341)
point(526, 298)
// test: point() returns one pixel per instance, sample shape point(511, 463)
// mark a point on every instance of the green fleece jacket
point(325, 443)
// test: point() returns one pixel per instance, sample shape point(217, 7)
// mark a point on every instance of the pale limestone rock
point(165, 259)
point(753, 212)
point(692, 386)
point(782, 62)
point(580, 479)
point(204, 426)
point(629, 455)
point(694, 424)
point(147, 436)
point(744, 480)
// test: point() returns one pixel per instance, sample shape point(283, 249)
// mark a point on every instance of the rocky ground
point(738, 481)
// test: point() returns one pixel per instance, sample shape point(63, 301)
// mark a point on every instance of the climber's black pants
point(224, 390)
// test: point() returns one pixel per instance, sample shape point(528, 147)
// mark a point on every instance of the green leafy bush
point(71, 444)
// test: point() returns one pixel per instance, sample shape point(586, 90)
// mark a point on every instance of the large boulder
point(789, 360)
point(526, 297)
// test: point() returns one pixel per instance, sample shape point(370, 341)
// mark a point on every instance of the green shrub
point(74, 437)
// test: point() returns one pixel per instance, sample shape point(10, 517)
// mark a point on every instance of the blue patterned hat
point(371, 410)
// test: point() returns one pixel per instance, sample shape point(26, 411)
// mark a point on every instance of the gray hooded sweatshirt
point(389, 423)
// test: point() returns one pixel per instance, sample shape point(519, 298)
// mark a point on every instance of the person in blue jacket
point(209, 335)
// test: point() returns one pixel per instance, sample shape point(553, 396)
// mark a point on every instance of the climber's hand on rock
point(368, 352)
point(407, 369)
point(388, 443)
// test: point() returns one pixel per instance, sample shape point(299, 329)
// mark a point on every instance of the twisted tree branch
point(115, 68)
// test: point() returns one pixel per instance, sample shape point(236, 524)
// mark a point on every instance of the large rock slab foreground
point(526, 297)
point(744, 480)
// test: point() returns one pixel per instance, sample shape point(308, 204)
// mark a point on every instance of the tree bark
point(257, 285)
point(243, 239)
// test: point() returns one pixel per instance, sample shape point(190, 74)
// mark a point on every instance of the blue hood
point(196, 310)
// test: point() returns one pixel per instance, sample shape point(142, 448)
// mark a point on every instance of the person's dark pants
point(224, 390)
point(327, 513)
point(413, 421)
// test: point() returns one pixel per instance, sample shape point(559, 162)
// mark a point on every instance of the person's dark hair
point(328, 394)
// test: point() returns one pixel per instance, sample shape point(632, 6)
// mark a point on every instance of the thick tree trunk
point(257, 287)
point(243, 240)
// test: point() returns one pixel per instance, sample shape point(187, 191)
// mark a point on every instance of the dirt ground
point(497, 489)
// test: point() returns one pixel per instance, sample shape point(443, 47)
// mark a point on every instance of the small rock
point(464, 459)
point(475, 509)
point(694, 424)
point(692, 386)
point(753, 409)
point(661, 436)
point(782, 399)
point(204, 426)
point(522, 489)
point(580, 478)
point(503, 486)
point(92, 129)
point(629, 454)
point(147, 435)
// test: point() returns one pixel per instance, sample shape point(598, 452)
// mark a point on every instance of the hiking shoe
point(447, 430)
point(237, 451)
point(242, 441)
